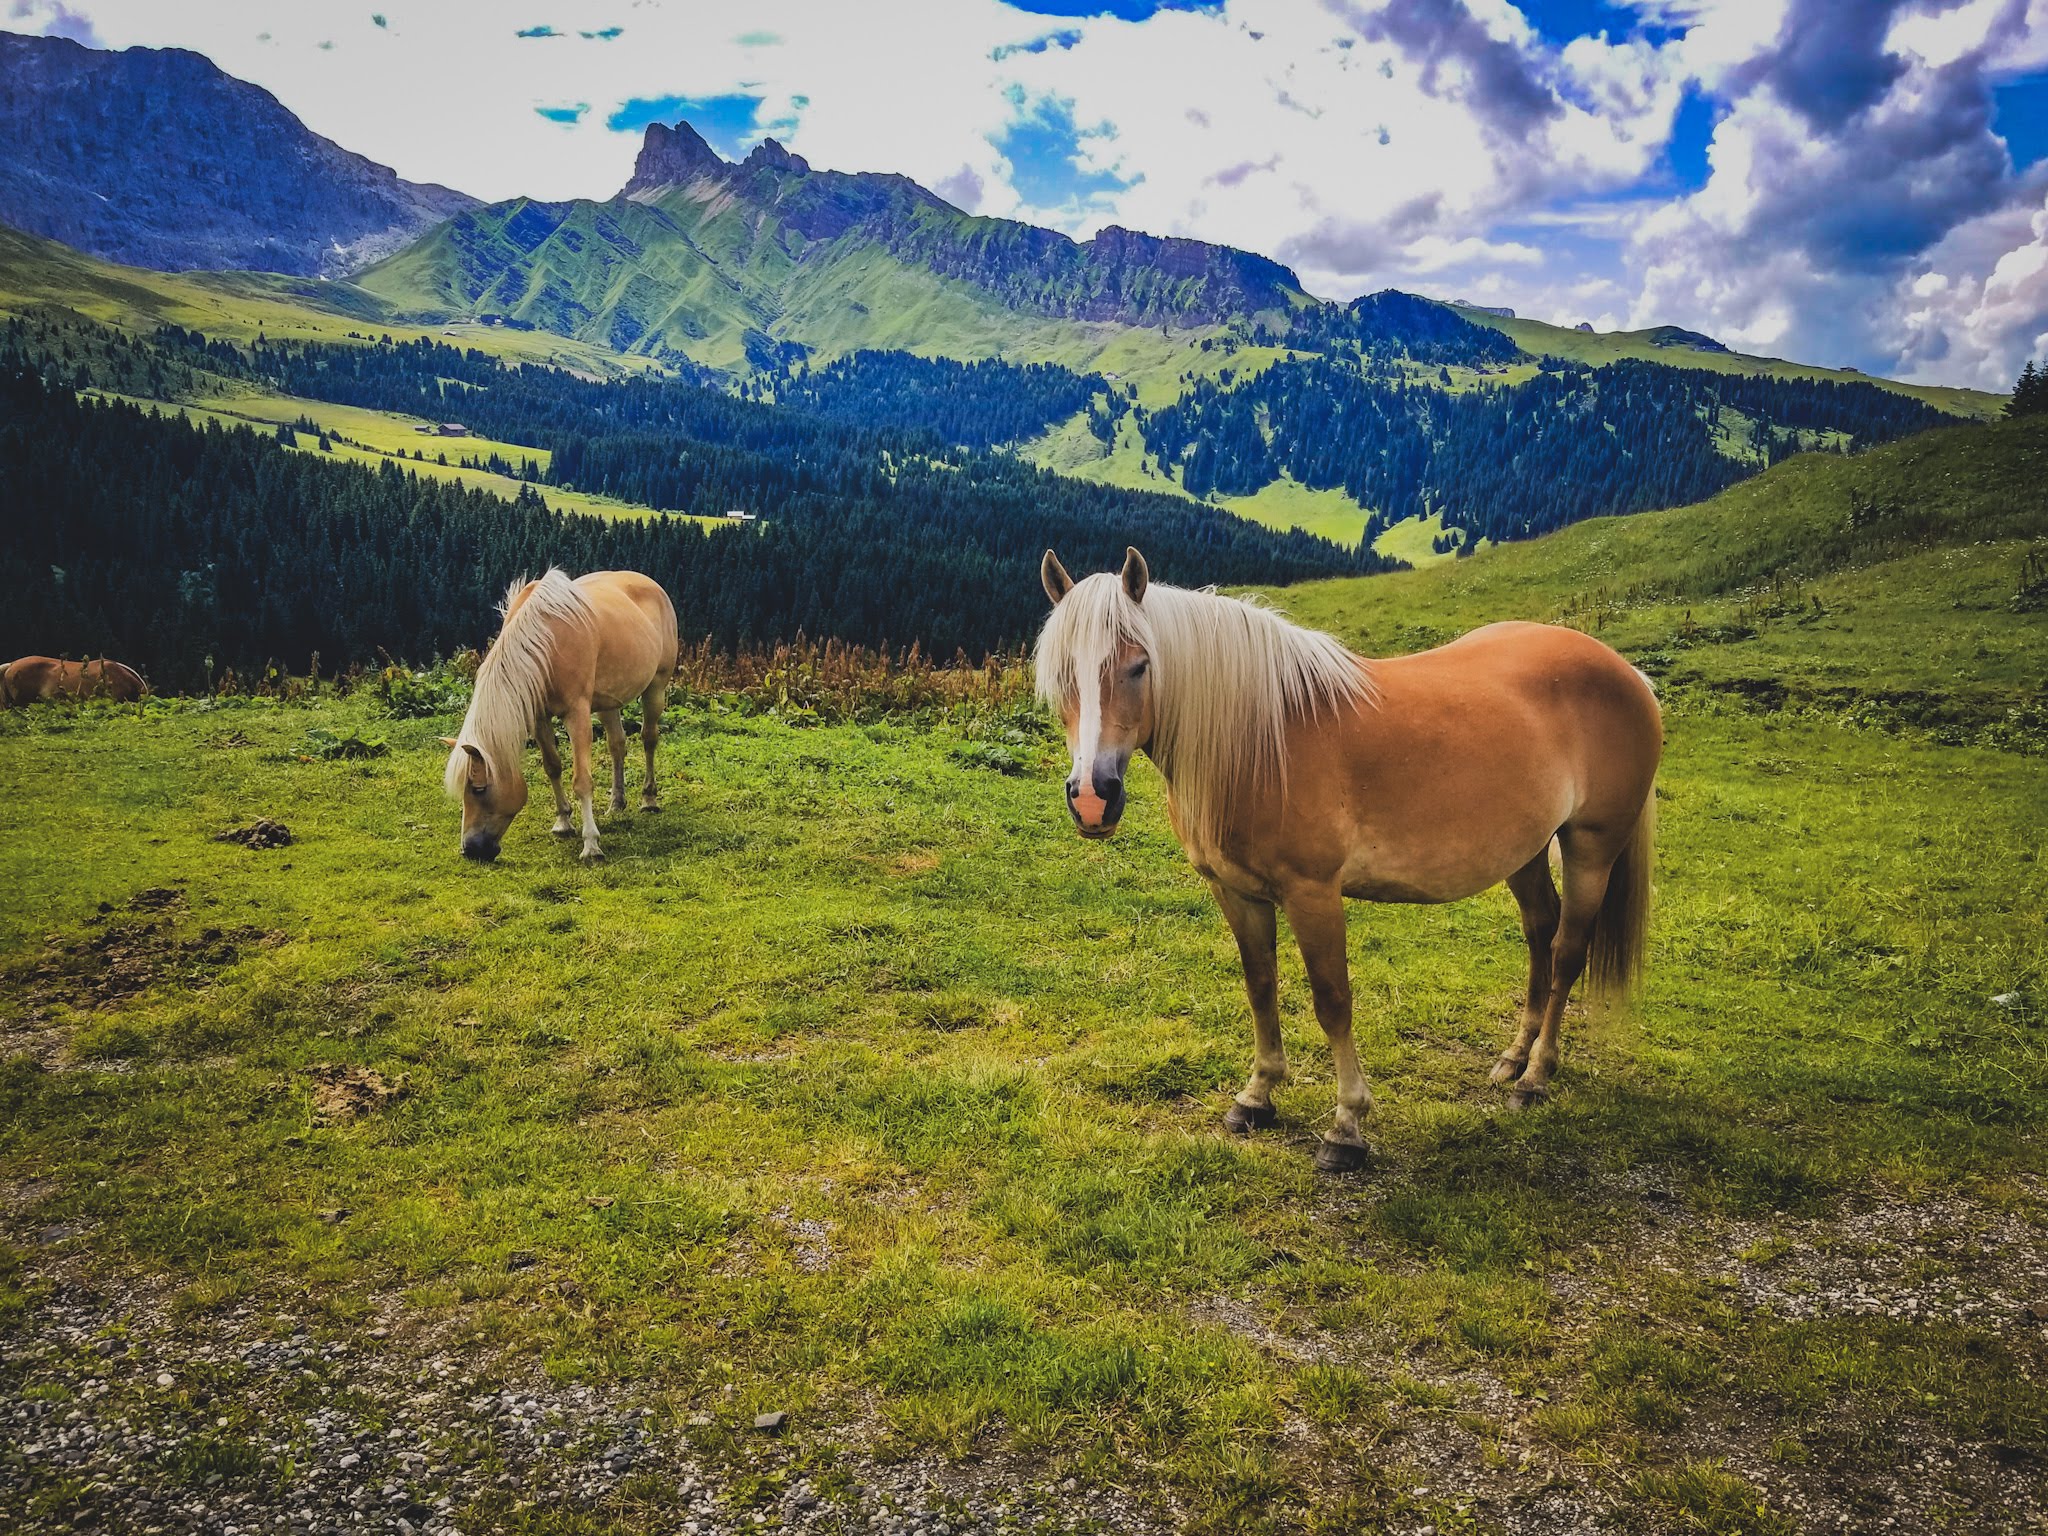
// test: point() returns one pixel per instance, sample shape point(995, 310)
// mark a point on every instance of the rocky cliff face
point(156, 158)
point(671, 157)
point(1120, 275)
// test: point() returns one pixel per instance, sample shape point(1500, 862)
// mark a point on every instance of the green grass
point(851, 977)
point(1412, 539)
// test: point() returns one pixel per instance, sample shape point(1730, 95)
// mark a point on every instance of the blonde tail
point(1614, 963)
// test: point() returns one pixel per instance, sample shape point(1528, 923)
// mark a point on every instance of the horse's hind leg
point(1588, 861)
point(1318, 922)
point(615, 743)
point(652, 703)
point(1536, 894)
point(551, 760)
point(1256, 926)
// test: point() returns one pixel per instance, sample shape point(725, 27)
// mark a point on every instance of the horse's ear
point(1135, 577)
point(479, 766)
point(1057, 582)
point(449, 742)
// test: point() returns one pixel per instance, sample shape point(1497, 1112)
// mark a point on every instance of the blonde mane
point(1227, 673)
point(512, 683)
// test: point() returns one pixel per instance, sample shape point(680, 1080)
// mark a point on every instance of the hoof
point(1243, 1119)
point(649, 810)
point(593, 856)
point(1528, 1098)
point(565, 829)
point(617, 805)
point(1507, 1069)
point(1342, 1157)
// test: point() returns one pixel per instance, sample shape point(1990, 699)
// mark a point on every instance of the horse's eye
point(1138, 671)
point(479, 790)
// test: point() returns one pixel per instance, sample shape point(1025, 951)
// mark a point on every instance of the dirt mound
point(261, 833)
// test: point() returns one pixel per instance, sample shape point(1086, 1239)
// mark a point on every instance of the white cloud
point(1366, 142)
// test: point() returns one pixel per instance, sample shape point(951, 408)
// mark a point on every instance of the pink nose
point(1091, 808)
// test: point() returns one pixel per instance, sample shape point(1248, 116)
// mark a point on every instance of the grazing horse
point(568, 648)
point(1298, 774)
point(33, 679)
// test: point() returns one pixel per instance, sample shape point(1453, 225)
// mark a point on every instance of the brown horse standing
point(1299, 774)
point(568, 648)
point(33, 679)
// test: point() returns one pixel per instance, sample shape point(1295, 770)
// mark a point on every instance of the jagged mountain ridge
point(695, 245)
point(155, 157)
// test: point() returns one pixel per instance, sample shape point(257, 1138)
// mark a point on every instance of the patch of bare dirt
point(124, 958)
point(344, 1093)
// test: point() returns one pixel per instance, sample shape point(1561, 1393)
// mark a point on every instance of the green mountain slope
point(38, 274)
point(1908, 584)
point(739, 266)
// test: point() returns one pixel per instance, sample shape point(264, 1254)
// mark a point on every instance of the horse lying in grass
point(568, 648)
point(1299, 774)
point(34, 679)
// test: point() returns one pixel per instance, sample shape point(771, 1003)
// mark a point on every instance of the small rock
point(771, 1423)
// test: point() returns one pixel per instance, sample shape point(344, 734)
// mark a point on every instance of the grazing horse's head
point(489, 800)
point(1095, 668)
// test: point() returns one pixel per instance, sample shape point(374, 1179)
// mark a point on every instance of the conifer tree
point(2029, 393)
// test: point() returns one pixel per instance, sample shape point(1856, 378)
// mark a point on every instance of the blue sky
point(1844, 181)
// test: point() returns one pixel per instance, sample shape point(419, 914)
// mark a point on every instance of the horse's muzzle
point(1097, 814)
point(482, 849)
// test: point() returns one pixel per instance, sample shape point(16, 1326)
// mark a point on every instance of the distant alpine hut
point(741, 515)
point(452, 429)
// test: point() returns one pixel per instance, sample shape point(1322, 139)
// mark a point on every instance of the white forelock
point(1227, 675)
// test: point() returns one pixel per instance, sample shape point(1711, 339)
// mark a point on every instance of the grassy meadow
point(364, 436)
point(853, 1085)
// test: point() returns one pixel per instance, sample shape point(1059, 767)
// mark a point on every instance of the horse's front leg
point(1255, 926)
point(551, 760)
point(578, 718)
point(1317, 918)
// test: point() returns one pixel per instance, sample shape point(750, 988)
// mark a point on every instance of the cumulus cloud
point(1847, 213)
point(51, 18)
point(1856, 203)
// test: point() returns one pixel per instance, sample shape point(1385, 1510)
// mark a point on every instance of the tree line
point(972, 405)
point(1509, 462)
point(168, 544)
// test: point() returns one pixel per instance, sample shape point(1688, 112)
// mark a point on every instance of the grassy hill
point(1905, 581)
point(236, 306)
point(854, 1087)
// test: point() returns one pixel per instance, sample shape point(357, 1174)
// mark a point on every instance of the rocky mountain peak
point(671, 156)
point(768, 152)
